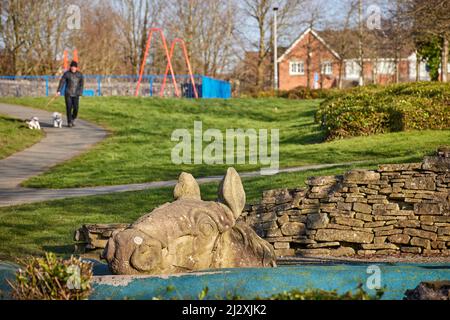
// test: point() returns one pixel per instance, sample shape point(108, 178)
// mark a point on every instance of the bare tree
point(136, 17)
point(32, 34)
point(341, 35)
point(208, 29)
point(360, 43)
point(98, 41)
point(313, 18)
point(260, 13)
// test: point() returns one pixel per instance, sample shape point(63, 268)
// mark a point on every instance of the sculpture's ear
point(186, 188)
point(231, 192)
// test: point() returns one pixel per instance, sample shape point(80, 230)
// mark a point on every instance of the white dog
point(33, 123)
point(57, 120)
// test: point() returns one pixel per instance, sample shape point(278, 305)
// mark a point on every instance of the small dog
point(33, 123)
point(57, 120)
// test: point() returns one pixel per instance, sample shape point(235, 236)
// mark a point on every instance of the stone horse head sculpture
point(190, 234)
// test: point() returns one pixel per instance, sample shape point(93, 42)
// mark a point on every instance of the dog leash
point(51, 100)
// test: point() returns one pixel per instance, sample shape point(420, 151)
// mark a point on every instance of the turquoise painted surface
point(263, 282)
point(7, 271)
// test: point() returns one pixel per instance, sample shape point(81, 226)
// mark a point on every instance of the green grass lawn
point(15, 136)
point(49, 226)
point(140, 146)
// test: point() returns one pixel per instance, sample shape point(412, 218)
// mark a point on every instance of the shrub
point(296, 93)
point(52, 278)
point(266, 94)
point(318, 294)
point(375, 109)
point(293, 294)
point(306, 93)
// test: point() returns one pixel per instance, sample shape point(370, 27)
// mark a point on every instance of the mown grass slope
point(140, 145)
point(15, 136)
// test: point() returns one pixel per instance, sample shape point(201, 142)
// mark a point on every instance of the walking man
point(74, 81)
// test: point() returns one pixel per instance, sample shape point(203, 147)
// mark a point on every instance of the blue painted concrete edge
point(264, 282)
point(255, 282)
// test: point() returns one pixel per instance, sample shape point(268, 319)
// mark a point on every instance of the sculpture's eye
point(206, 225)
point(206, 229)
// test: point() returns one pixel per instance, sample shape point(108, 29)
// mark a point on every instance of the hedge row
point(297, 93)
point(376, 109)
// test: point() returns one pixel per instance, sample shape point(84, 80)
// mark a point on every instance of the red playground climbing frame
point(66, 59)
point(169, 63)
point(144, 60)
point(188, 65)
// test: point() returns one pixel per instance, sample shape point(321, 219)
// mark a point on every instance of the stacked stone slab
point(95, 236)
point(399, 208)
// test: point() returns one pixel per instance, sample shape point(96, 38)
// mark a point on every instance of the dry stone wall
point(399, 208)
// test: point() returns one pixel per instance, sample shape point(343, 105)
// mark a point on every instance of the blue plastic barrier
point(88, 93)
point(214, 88)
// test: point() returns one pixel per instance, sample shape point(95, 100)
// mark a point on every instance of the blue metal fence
point(116, 85)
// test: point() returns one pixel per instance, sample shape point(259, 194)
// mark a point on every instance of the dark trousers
point(71, 108)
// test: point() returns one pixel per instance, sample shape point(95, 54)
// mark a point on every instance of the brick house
point(310, 61)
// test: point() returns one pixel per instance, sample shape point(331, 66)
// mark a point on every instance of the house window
point(385, 67)
point(296, 68)
point(352, 69)
point(327, 68)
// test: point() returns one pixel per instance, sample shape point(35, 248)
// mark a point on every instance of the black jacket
point(74, 83)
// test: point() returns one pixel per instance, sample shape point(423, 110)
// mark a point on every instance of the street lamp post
point(275, 49)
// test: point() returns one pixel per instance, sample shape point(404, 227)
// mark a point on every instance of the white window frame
point(352, 69)
point(296, 68)
point(327, 68)
point(385, 67)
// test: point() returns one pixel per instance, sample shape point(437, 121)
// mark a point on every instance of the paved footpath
point(59, 145)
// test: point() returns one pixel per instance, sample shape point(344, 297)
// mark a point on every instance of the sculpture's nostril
point(147, 255)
